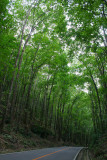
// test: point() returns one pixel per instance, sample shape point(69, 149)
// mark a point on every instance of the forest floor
point(14, 142)
point(17, 142)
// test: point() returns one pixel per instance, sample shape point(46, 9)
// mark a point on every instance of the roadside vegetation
point(15, 142)
point(53, 74)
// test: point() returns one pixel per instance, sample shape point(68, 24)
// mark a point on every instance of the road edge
point(78, 153)
point(30, 150)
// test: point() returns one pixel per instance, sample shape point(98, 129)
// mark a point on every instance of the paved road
point(56, 153)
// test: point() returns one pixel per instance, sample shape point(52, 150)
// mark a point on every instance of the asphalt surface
point(56, 153)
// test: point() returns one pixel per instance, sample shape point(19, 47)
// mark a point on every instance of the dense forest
point(53, 63)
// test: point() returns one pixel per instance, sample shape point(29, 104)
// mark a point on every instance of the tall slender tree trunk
point(48, 102)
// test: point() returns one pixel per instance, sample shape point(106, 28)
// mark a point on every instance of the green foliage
point(53, 69)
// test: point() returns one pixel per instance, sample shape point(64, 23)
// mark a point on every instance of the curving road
point(56, 153)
